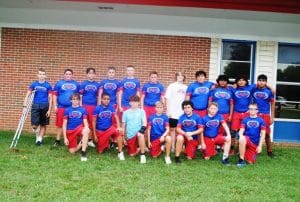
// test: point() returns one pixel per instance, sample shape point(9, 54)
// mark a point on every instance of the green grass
point(45, 174)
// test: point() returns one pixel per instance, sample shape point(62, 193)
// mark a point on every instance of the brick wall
point(24, 50)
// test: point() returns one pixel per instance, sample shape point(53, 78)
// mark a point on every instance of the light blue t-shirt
point(133, 119)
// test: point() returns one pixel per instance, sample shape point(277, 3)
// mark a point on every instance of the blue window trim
point(252, 78)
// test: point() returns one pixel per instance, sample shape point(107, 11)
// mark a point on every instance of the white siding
point(215, 56)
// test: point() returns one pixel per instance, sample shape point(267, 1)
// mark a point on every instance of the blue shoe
point(226, 162)
point(241, 163)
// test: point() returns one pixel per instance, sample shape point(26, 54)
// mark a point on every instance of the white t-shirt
point(175, 95)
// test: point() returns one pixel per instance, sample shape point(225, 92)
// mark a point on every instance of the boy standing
point(188, 130)
point(152, 92)
point(211, 135)
point(75, 126)
point(158, 132)
point(134, 124)
point(41, 105)
point(104, 128)
point(62, 92)
point(264, 97)
point(88, 92)
point(252, 134)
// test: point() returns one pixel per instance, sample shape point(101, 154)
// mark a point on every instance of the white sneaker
point(143, 159)
point(83, 156)
point(121, 156)
point(91, 143)
point(168, 160)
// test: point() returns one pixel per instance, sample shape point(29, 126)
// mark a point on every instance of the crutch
point(22, 120)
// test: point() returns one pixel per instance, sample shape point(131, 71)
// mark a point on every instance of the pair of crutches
point(26, 110)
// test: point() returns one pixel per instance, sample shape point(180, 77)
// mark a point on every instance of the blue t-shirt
point(199, 94)
point(110, 86)
point(158, 125)
point(42, 91)
point(222, 96)
point(211, 125)
point(75, 116)
point(263, 97)
point(152, 92)
point(63, 90)
point(89, 91)
point(242, 97)
point(253, 126)
point(104, 117)
point(189, 123)
point(129, 87)
point(133, 120)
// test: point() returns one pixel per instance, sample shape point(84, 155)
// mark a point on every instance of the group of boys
point(119, 112)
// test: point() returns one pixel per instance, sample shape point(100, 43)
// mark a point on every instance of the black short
point(173, 122)
point(38, 114)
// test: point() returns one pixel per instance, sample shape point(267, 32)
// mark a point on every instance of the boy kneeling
point(158, 132)
point(252, 134)
point(75, 126)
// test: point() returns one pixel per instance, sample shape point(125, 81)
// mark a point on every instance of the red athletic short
point(132, 146)
point(225, 117)
point(250, 153)
point(190, 147)
point(90, 110)
point(149, 110)
point(155, 149)
point(267, 120)
point(72, 136)
point(237, 118)
point(210, 144)
point(103, 138)
point(200, 113)
point(60, 117)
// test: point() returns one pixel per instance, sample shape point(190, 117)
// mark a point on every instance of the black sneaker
point(38, 143)
point(56, 143)
point(83, 156)
point(177, 160)
point(226, 162)
point(241, 163)
point(271, 154)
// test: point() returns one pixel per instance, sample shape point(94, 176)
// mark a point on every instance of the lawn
point(47, 174)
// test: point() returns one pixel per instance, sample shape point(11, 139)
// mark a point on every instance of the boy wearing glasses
point(252, 134)
point(264, 98)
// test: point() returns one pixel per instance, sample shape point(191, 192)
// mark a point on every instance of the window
point(238, 59)
point(288, 81)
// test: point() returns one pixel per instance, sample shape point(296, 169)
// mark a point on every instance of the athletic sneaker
point(143, 159)
point(226, 162)
point(91, 144)
point(177, 160)
point(38, 143)
point(168, 160)
point(56, 143)
point(83, 156)
point(241, 163)
point(121, 156)
point(271, 154)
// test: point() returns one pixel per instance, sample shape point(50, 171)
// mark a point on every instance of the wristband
point(142, 130)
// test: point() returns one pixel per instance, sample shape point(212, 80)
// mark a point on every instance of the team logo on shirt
point(110, 86)
point(75, 114)
point(105, 114)
point(90, 88)
point(189, 123)
point(129, 85)
point(260, 95)
point(40, 88)
point(242, 94)
point(212, 123)
point(153, 90)
point(158, 121)
point(222, 94)
point(253, 124)
point(68, 86)
point(201, 90)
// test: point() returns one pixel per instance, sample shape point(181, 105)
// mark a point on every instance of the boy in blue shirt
point(158, 132)
point(252, 134)
point(75, 126)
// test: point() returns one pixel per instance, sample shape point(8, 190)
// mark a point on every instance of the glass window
point(288, 82)
point(237, 59)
